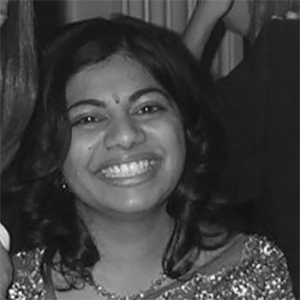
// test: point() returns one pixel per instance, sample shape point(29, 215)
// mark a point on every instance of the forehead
point(117, 75)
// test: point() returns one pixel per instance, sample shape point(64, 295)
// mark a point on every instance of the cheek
point(78, 157)
point(173, 138)
point(179, 146)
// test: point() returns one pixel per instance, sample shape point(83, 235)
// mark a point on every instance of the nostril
point(124, 136)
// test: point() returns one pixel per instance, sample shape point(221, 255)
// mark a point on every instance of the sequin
point(28, 281)
point(261, 275)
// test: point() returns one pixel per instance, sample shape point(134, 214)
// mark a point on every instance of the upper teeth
point(127, 170)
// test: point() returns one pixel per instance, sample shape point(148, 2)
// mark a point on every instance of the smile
point(128, 170)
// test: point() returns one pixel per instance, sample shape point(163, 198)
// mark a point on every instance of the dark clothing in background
point(259, 107)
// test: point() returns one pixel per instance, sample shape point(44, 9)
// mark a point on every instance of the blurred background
point(173, 14)
point(225, 51)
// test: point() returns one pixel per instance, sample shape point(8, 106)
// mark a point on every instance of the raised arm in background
point(258, 104)
point(235, 14)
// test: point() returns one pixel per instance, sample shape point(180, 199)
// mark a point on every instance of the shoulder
point(248, 252)
point(249, 265)
point(264, 264)
point(264, 258)
point(259, 247)
point(28, 281)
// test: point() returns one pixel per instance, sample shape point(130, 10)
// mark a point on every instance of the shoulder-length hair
point(18, 76)
point(53, 221)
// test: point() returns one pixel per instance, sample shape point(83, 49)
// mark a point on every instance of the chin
point(138, 206)
point(137, 202)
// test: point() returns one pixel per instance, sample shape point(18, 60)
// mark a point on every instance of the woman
point(17, 96)
point(259, 107)
point(117, 171)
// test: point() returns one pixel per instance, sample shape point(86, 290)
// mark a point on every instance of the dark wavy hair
point(18, 76)
point(50, 214)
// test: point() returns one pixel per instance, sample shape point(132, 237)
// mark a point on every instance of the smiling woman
point(117, 174)
point(125, 155)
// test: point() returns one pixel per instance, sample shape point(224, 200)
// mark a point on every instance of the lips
point(131, 170)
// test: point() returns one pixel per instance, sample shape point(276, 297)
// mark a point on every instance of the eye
point(150, 108)
point(88, 120)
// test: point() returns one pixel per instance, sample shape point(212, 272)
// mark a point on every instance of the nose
point(123, 134)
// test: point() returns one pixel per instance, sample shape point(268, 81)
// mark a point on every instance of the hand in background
point(6, 270)
point(3, 11)
point(205, 16)
point(213, 10)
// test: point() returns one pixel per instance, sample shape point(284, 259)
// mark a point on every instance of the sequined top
point(261, 275)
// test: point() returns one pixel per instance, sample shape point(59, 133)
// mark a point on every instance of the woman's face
point(128, 148)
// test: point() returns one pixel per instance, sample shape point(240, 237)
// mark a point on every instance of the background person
point(258, 104)
point(17, 97)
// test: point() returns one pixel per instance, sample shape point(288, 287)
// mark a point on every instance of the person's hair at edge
point(51, 214)
point(18, 76)
point(263, 11)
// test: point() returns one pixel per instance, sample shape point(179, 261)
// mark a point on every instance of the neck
point(131, 248)
point(131, 238)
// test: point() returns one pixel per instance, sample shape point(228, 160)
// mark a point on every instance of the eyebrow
point(134, 97)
